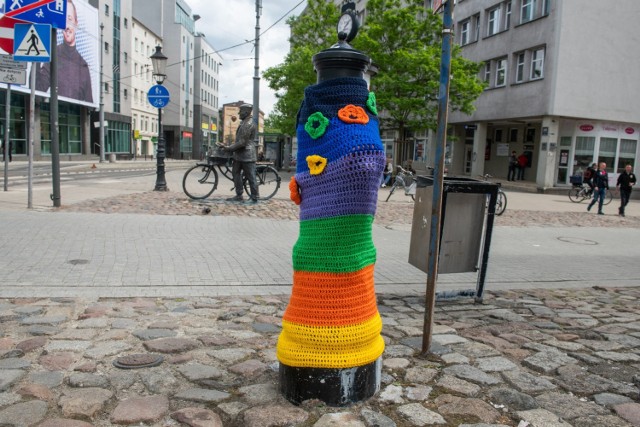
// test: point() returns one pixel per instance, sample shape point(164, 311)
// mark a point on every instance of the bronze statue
point(244, 155)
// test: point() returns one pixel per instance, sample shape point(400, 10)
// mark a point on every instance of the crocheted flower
point(316, 164)
point(371, 103)
point(294, 191)
point(316, 125)
point(353, 114)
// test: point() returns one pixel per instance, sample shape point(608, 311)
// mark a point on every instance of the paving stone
point(475, 350)
point(609, 400)
point(259, 394)
point(231, 355)
point(171, 345)
point(152, 334)
point(512, 399)
point(123, 323)
point(448, 339)
point(31, 344)
point(420, 392)
point(508, 315)
point(547, 361)
point(470, 373)
point(93, 323)
point(526, 382)
point(601, 345)
point(202, 395)
point(495, 364)
point(66, 345)
point(76, 334)
point(626, 340)
point(198, 372)
point(376, 419)
point(7, 399)
point(215, 340)
point(9, 377)
point(274, 416)
point(399, 351)
point(541, 418)
point(391, 394)
point(158, 381)
point(122, 380)
point(197, 417)
point(420, 374)
point(580, 381)
point(249, 368)
point(23, 414)
point(600, 421)
point(81, 380)
point(50, 379)
point(43, 330)
point(629, 411)
point(419, 415)
point(140, 410)
point(451, 383)
point(58, 361)
point(395, 363)
point(43, 320)
point(107, 349)
point(568, 406)
point(232, 408)
point(242, 335)
point(339, 419)
point(36, 391)
point(615, 356)
point(14, 363)
point(453, 405)
point(266, 328)
point(64, 422)
point(84, 403)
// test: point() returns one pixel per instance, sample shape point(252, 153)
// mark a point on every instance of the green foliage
point(403, 40)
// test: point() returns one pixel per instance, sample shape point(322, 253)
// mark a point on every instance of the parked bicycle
point(406, 181)
point(201, 180)
point(582, 191)
point(501, 201)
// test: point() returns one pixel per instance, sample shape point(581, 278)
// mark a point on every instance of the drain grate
point(78, 261)
point(137, 361)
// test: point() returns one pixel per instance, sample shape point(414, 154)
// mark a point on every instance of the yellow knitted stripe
point(335, 347)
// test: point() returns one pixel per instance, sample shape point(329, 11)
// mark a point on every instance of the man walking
point(626, 181)
point(244, 155)
point(600, 187)
point(513, 164)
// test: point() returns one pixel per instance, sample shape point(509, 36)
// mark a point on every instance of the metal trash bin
point(468, 210)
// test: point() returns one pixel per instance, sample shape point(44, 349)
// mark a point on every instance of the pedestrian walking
point(600, 187)
point(513, 165)
point(626, 181)
point(9, 151)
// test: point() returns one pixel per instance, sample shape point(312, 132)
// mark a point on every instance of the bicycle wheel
point(576, 195)
point(393, 188)
point(268, 182)
point(608, 197)
point(501, 203)
point(200, 181)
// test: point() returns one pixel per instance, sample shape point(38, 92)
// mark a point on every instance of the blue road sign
point(158, 96)
point(32, 42)
point(52, 12)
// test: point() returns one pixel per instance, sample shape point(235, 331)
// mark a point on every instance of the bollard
point(330, 346)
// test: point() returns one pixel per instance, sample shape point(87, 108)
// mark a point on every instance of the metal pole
point(256, 75)
point(438, 177)
point(55, 131)
point(101, 119)
point(5, 148)
point(161, 183)
point(32, 133)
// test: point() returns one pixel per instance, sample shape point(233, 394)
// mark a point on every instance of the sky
point(227, 23)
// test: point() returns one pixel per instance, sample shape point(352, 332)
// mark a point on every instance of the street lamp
point(159, 62)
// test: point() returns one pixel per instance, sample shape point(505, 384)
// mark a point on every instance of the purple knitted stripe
point(346, 186)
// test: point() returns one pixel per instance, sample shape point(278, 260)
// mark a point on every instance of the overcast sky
point(227, 23)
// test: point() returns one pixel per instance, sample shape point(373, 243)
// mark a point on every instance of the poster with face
point(78, 59)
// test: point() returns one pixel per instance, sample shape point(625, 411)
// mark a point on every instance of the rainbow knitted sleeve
point(332, 319)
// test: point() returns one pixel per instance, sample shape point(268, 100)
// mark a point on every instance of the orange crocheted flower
point(316, 164)
point(294, 191)
point(353, 114)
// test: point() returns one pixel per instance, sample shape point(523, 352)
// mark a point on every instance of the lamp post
point(159, 62)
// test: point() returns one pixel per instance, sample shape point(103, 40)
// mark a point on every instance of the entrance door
point(468, 158)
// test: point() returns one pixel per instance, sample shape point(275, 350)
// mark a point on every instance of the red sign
point(187, 134)
point(630, 130)
point(6, 33)
point(586, 128)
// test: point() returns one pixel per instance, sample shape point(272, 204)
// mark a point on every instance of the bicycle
point(201, 180)
point(402, 176)
point(580, 192)
point(501, 200)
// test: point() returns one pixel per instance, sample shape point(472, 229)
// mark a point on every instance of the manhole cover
point(577, 240)
point(136, 361)
point(78, 261)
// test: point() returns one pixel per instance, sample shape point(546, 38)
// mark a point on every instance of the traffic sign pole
point(5, 148)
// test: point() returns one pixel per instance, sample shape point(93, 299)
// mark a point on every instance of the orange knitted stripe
point(332, 299)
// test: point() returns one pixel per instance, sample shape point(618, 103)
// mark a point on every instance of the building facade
point(560, 87)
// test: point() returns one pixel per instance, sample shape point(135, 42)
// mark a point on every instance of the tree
point(403, 39)
point(312, 31)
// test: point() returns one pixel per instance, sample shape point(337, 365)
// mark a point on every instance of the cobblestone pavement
point(527, 358)
point(176, 203)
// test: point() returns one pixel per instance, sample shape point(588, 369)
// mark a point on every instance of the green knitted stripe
point(341, 244)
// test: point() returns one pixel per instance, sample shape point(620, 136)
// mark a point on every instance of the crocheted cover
point(332, 319)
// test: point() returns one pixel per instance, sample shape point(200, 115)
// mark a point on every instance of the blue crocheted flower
point(371, 103)
point(316, 125)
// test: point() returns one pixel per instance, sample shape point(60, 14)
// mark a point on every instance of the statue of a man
point(244, 155)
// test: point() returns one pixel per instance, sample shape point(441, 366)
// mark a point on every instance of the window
point(493, 21)
point(501, 71)
point(526, 11)
point(520, 67)
point(476, 21)
point(125, 57)
point(537, 64)
point(487, 71)
point(106, 47)
point(627, 154)
point(135, 44)
point(106, 9)
point(465, 28)
point(126, 23)
point(125, 94)
point(106, 87)
point(507, 16)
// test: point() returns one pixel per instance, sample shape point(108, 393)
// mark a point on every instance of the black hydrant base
point(335, 387)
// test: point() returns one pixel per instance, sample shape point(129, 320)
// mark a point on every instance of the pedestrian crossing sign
point(32, 42)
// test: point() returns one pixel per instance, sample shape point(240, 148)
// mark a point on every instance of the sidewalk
point(207, 293)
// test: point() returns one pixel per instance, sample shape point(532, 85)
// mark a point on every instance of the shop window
point(627, 154)
point(607, 151)
point(585, 146)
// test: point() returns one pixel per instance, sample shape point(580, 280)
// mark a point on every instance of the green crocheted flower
point(371, 103)
point(316, 125)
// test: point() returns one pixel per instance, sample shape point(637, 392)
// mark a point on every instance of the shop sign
point(214, 127)
point(187, 134)
point(630, 131)
point(586, 128)
point(204, 125)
